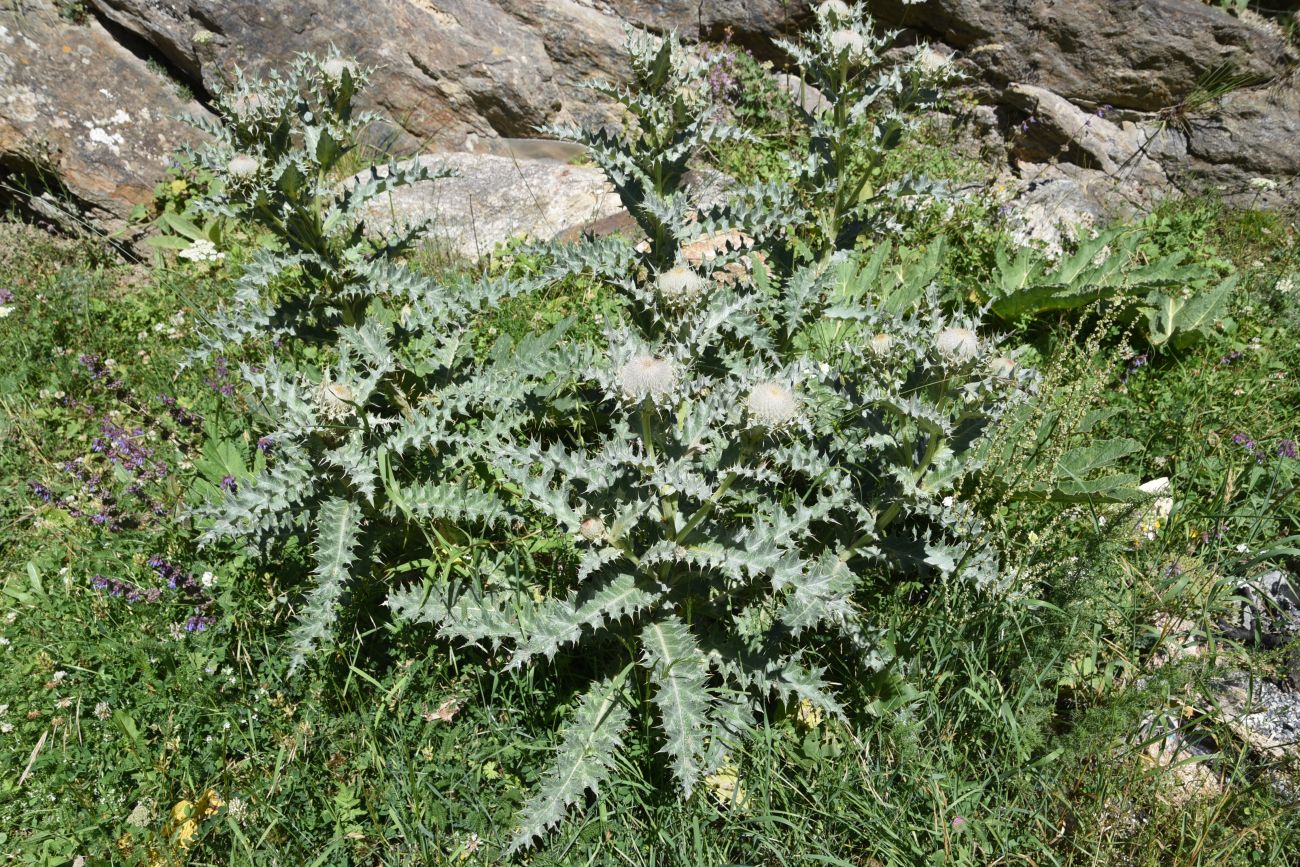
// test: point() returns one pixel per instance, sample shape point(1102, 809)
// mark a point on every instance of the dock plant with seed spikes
point(276, 153)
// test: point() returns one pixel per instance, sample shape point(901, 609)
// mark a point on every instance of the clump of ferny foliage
point(763, 448)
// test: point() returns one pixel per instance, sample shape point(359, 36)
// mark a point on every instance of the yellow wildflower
point(808, 715)
point(725, 785)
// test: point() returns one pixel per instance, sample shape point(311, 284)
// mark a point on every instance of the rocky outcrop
point(445, 70)
point(1141, 55)
point(82, 116)
point(1189, 95)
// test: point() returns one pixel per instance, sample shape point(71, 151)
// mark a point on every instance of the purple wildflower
point(6, 295)
point(264, 444)
point(1231, 357)
point(722, 77)
point(198, 623)
point(1286, 449)
point(228, 483)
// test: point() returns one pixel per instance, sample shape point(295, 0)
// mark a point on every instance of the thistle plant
point(668, 119)
point(732, 517)
point(836, 194)
point(763, 452)
point(277, 154)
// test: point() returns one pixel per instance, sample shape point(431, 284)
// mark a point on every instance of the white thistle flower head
point(334, 400)
point(592, 529)
point(247, 104)
point(1002, 366)
point(957, 345)
point(336, 66)
point(679, 286)
point(834, 10)
point(242, 166)
point(881, 343)
point(647, 376)
point(848, 42)
point(771, 404)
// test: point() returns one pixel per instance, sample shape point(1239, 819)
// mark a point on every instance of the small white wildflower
point(202, 251)
point(4, 642)
point(334, 400)
point(242, 166)
point(772, 404)
point(592, 529)
point(647, 376)
point(207, 579)
point(4, 709)
point(58, 677)
point(11, 616)
point(336, 66)
point(6, 728)
point(5, 310)
point(102, 710)
point(64, 703)
point(957, 344)
point(142, 815)
point(1263, 185)
point(1243, 548)
point(881, 343)
point(237, 810)
point(680, 286)
point(848, 42)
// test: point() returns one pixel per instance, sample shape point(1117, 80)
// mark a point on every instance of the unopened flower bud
point(1002, 366)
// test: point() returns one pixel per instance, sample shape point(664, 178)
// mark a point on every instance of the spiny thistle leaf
point(337, 531)
point(678, 670)
point(584, 761)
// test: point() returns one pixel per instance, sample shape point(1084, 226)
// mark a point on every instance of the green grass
point(1009, 731)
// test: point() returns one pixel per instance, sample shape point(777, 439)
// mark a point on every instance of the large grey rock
point(445, 69)
point(1121, 149)
point(80, 112)
point(1144, 55)
point(1248, 145)
point(495, 198)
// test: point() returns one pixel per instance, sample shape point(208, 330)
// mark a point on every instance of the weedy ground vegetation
point(782, 530)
